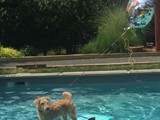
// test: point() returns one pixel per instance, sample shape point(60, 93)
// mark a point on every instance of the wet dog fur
point(49, 111)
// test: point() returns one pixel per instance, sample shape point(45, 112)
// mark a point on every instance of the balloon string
point(126, 45)
point(76, 79)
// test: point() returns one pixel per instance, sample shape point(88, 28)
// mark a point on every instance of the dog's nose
point(47, 109)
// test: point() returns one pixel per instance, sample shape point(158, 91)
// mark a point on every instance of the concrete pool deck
point(80, 59)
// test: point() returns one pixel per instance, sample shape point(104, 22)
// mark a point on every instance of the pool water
point(122, 101)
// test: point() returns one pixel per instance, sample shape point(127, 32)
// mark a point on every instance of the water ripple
point(34, 93)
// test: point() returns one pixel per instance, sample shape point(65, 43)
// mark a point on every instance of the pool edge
point(81, 73)
point(69, 78)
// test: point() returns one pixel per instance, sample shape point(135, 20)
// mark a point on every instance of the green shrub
point(111, 26)
point(29, 51)
point(6, 52)
point(138, 41)
point(89, 48)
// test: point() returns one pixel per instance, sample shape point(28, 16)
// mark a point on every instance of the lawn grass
point(81, 68)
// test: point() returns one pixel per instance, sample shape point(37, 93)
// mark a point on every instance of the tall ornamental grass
point(111, 26)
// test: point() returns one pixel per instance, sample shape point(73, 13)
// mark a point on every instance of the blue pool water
point(122, 101)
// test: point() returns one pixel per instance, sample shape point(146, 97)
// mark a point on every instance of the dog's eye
point(42, 104)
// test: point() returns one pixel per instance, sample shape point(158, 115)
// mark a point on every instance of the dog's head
point(42, 104)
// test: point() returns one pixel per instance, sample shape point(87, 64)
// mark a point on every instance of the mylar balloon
point(140, 12)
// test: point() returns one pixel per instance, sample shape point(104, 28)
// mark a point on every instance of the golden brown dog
point(50, 111)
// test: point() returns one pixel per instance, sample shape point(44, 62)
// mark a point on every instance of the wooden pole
point(157, 25)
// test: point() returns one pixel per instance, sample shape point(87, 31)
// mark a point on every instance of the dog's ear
point(48, 98)
point(36, 102)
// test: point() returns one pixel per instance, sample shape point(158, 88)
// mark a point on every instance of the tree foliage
point(48, 24)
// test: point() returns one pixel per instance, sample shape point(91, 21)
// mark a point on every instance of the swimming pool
point(121, 100)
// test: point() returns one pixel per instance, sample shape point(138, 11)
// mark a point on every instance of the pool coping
point(76, 78)
point(80, 73)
